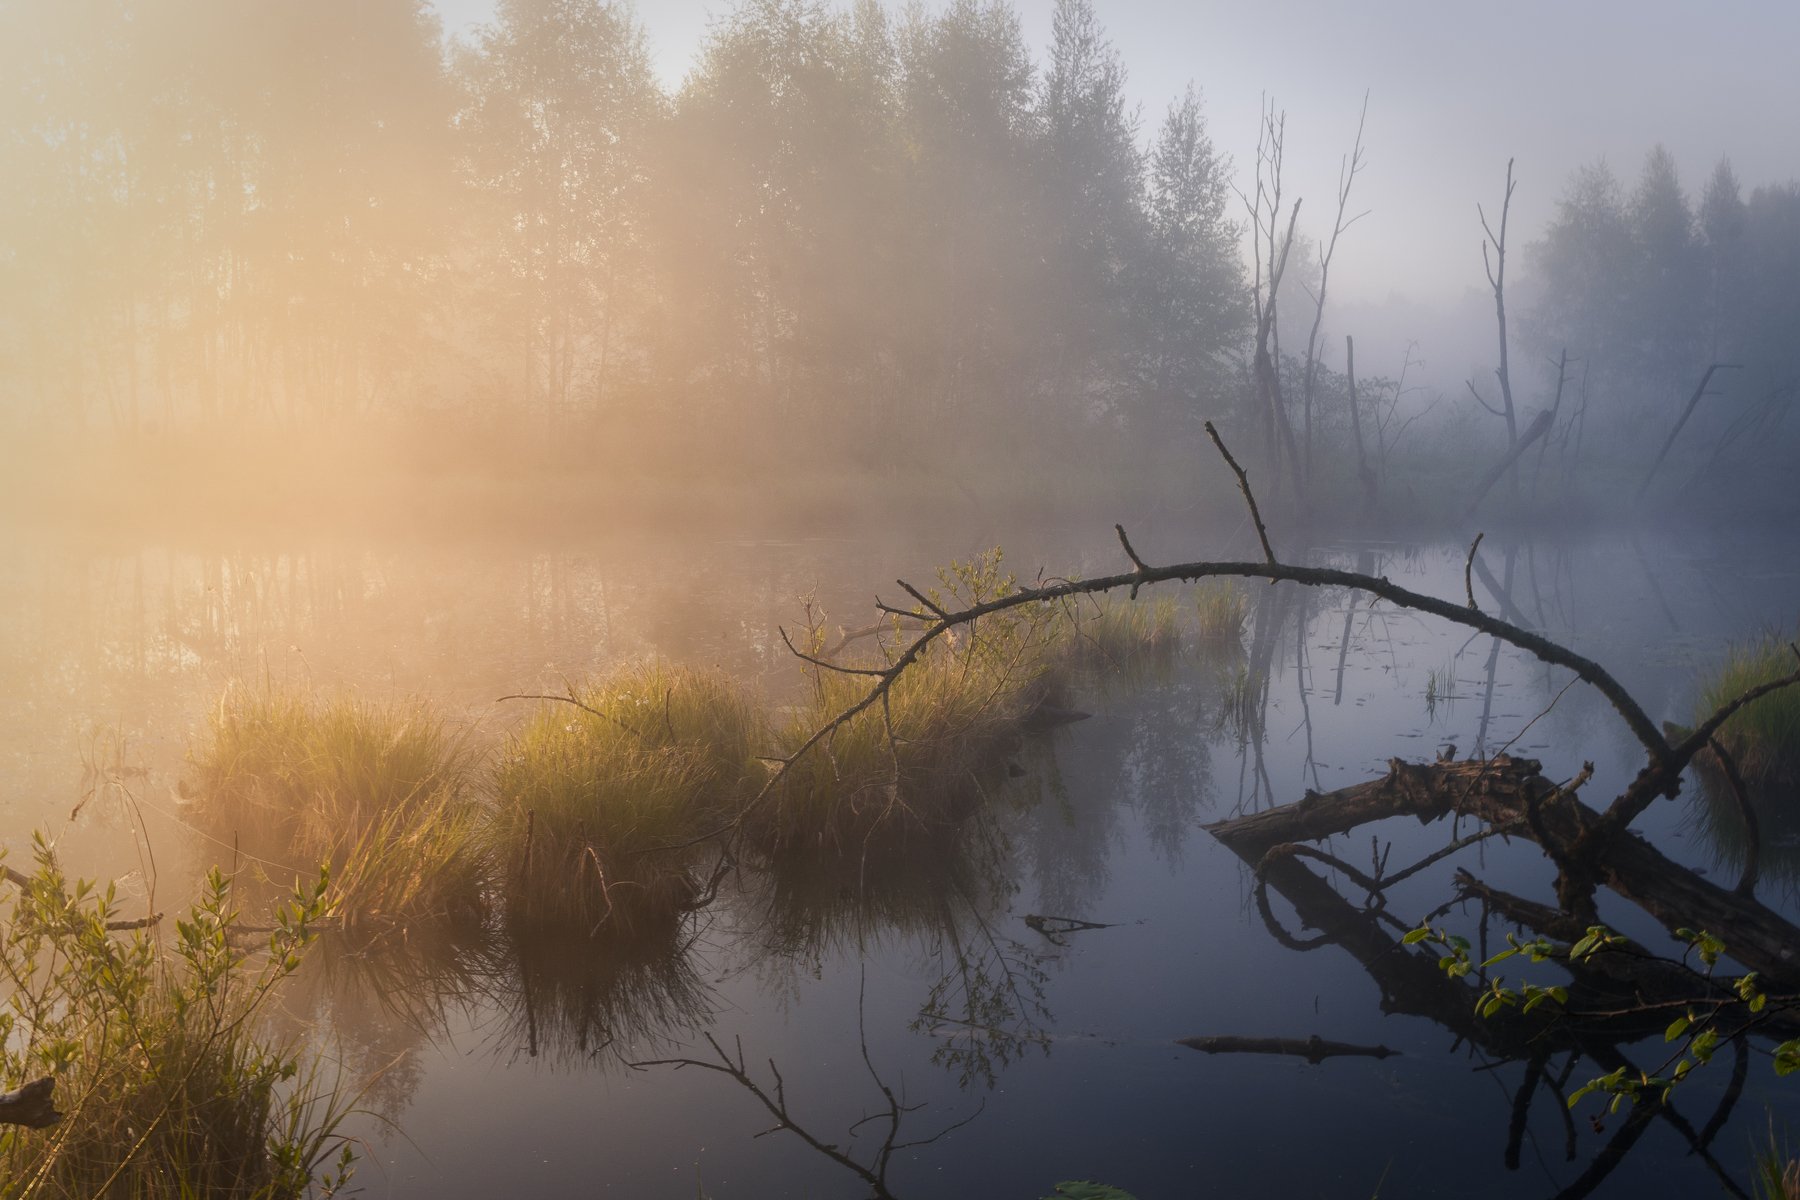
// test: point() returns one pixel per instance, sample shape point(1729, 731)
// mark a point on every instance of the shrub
point(166, 1087)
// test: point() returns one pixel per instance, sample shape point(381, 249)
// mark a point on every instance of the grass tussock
point(165, 1087)
point(380, 792)
point(590, 794)
point(1220, 608)
point(938, 744)
point(1764, 736)
point(1112, 631)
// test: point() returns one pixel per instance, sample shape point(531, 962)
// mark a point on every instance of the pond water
point(947, 1015)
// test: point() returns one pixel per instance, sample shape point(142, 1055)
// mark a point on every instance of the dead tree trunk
point(1540, 425)
point(1693, 403)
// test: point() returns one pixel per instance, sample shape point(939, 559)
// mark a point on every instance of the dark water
point(918, 1008)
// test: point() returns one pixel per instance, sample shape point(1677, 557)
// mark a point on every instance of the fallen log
point(1512, 792)
point(1314, 1049)
point(32, 1105)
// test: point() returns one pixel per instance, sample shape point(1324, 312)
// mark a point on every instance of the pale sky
point(1455, 89)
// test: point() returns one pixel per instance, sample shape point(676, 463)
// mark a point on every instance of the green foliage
point(590, 795)
point(379, 792)
point(1698, 1029)
point(166, 1087)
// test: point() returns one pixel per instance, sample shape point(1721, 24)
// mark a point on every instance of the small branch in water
point(1314, 1049)
point(1469, 570)
point(1137, 562)
point(1054, 929)
point(1244, 486)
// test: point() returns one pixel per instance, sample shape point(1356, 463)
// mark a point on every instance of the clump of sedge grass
point(1221, 608)
point(1763, 737)
point(591, 794)
point(379, 792)
point(921, 759)
point(165, 1086)
point(1112, 631)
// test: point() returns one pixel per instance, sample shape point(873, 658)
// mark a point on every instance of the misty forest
point(872, 613)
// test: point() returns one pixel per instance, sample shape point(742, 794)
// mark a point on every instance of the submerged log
point(32, 1106)
point(1512, 793)
point(1314, 1049)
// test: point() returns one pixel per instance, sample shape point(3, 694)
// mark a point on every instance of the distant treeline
point(852, 223)
point(869, 232)
point(1645, 293)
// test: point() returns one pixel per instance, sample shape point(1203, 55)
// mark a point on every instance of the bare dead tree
point(1348, 169)
point(1495, 265)
point(1693, 403)
point(1270, 248)
point(1363, 473)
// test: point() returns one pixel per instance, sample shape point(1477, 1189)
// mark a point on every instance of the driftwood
point(1314, 1049)
point(32, 1106)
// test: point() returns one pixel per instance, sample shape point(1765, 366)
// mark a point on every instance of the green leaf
point(1503, 955)
point(1415, 936)
point(1677, 1027)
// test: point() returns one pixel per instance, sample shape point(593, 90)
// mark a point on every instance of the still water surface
point(924, 1007)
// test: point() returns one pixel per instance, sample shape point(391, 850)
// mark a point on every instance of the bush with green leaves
point(1700, 1028)
point(167, 1086)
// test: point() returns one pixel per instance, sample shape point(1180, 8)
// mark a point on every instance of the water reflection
point(1324, 688)
point(936, 900)
point(1717, 821)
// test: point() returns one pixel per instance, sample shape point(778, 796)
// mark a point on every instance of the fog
point(309, 259)
point(466, 454)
